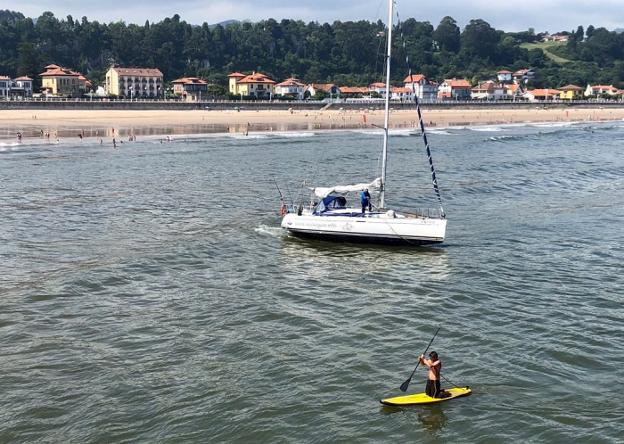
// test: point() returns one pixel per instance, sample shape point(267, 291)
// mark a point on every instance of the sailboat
point(328, 216)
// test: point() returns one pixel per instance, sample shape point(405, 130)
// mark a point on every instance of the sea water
point(148, 293)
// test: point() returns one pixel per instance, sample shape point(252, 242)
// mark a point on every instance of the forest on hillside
point(345, 53)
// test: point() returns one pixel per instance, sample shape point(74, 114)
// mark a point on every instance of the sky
point(509, 15)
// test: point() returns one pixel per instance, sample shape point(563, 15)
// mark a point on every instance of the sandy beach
point(124, 123)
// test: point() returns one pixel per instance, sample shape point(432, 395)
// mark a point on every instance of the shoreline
point(107, 124)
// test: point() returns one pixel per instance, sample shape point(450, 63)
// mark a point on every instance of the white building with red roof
point(291, 87)
point(421, 87)
point(255, 85)
point(379, 88)
point(599, 90)
point(524, 75)
point(327, 88)
point(543, 95)
point(18, 87)
point(504, 76)
point(22, 87)
point(401, 93)
point(456, 89)
point(489, 90)
point(134, 82)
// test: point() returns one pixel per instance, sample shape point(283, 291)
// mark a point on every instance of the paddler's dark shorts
point(433, 388)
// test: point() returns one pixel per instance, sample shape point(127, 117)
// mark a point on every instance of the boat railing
point(422, 213)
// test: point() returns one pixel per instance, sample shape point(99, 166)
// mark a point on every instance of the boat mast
point(384, 153)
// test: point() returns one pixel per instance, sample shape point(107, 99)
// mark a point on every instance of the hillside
point(341, 52)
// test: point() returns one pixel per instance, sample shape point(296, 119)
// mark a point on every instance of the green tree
point(447, 35)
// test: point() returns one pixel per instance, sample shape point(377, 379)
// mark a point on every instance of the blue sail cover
point(330, 203)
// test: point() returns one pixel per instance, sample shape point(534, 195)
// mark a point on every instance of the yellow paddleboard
point(422, 398)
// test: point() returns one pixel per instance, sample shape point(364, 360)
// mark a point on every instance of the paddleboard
point(422, 398)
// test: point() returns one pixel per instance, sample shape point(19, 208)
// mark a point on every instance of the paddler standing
point(433, 379)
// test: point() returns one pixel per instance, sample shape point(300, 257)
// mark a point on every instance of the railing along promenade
point(216, 104)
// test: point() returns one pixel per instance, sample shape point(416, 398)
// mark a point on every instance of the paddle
point(407, 383)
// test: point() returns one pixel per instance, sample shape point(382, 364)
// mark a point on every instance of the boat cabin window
point(331, 203)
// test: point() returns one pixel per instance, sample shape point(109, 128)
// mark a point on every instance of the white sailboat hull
point(374, 228)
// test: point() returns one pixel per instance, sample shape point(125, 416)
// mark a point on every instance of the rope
point(434, 179)
point(449, 381)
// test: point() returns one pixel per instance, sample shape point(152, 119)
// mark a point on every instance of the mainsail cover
point(322, 192)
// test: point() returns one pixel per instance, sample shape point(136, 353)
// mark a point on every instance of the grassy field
point(545, 47)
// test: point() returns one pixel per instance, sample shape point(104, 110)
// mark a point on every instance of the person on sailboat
point(434, 365)
point(365, 200)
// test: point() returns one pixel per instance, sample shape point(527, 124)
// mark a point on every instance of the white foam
point(437, 131)
point(368, 132)
point(269, 230)
point(295, 135)
point(552, 124)
point(248, 136)
point(485, 128)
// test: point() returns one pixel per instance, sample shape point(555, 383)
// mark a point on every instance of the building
point(515, 91)
point(379, 88)
point(599, 90)
point(328, 88)
point(292, 88)
point(63, 82)
point(354, 92)
point(489, 90)
point(504, 76)
point(5, 87)
point(22, 87)
point(571, 92)
point(134, 82)
point(559, 37)
point(524, 75)
point(255, 85)
point(454, 89)
point(421, 87)
point(233, 81)
point(542, 95)
point(190, 88)
point(401, 93)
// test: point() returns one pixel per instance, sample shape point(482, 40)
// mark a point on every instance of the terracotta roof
point(23, 78)
point(291, 82)
point(354, 90)
point(52, 66)
point(5, 78)
point(487, 86)
point(236, 74)
point(607, 87)
point(256, 77)
point(56, 71)
point(521, 72)
point(190, 81)
point(458, 83)
point(377, 85)
point(504, 71)
point(141, 72)
point(571, 88)
point(416, 78)
point(401, 89)
point(323, 86)
point(544, 92)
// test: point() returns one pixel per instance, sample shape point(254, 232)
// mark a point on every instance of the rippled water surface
point(148, 295)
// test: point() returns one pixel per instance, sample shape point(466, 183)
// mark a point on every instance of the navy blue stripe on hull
point(362, 239)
